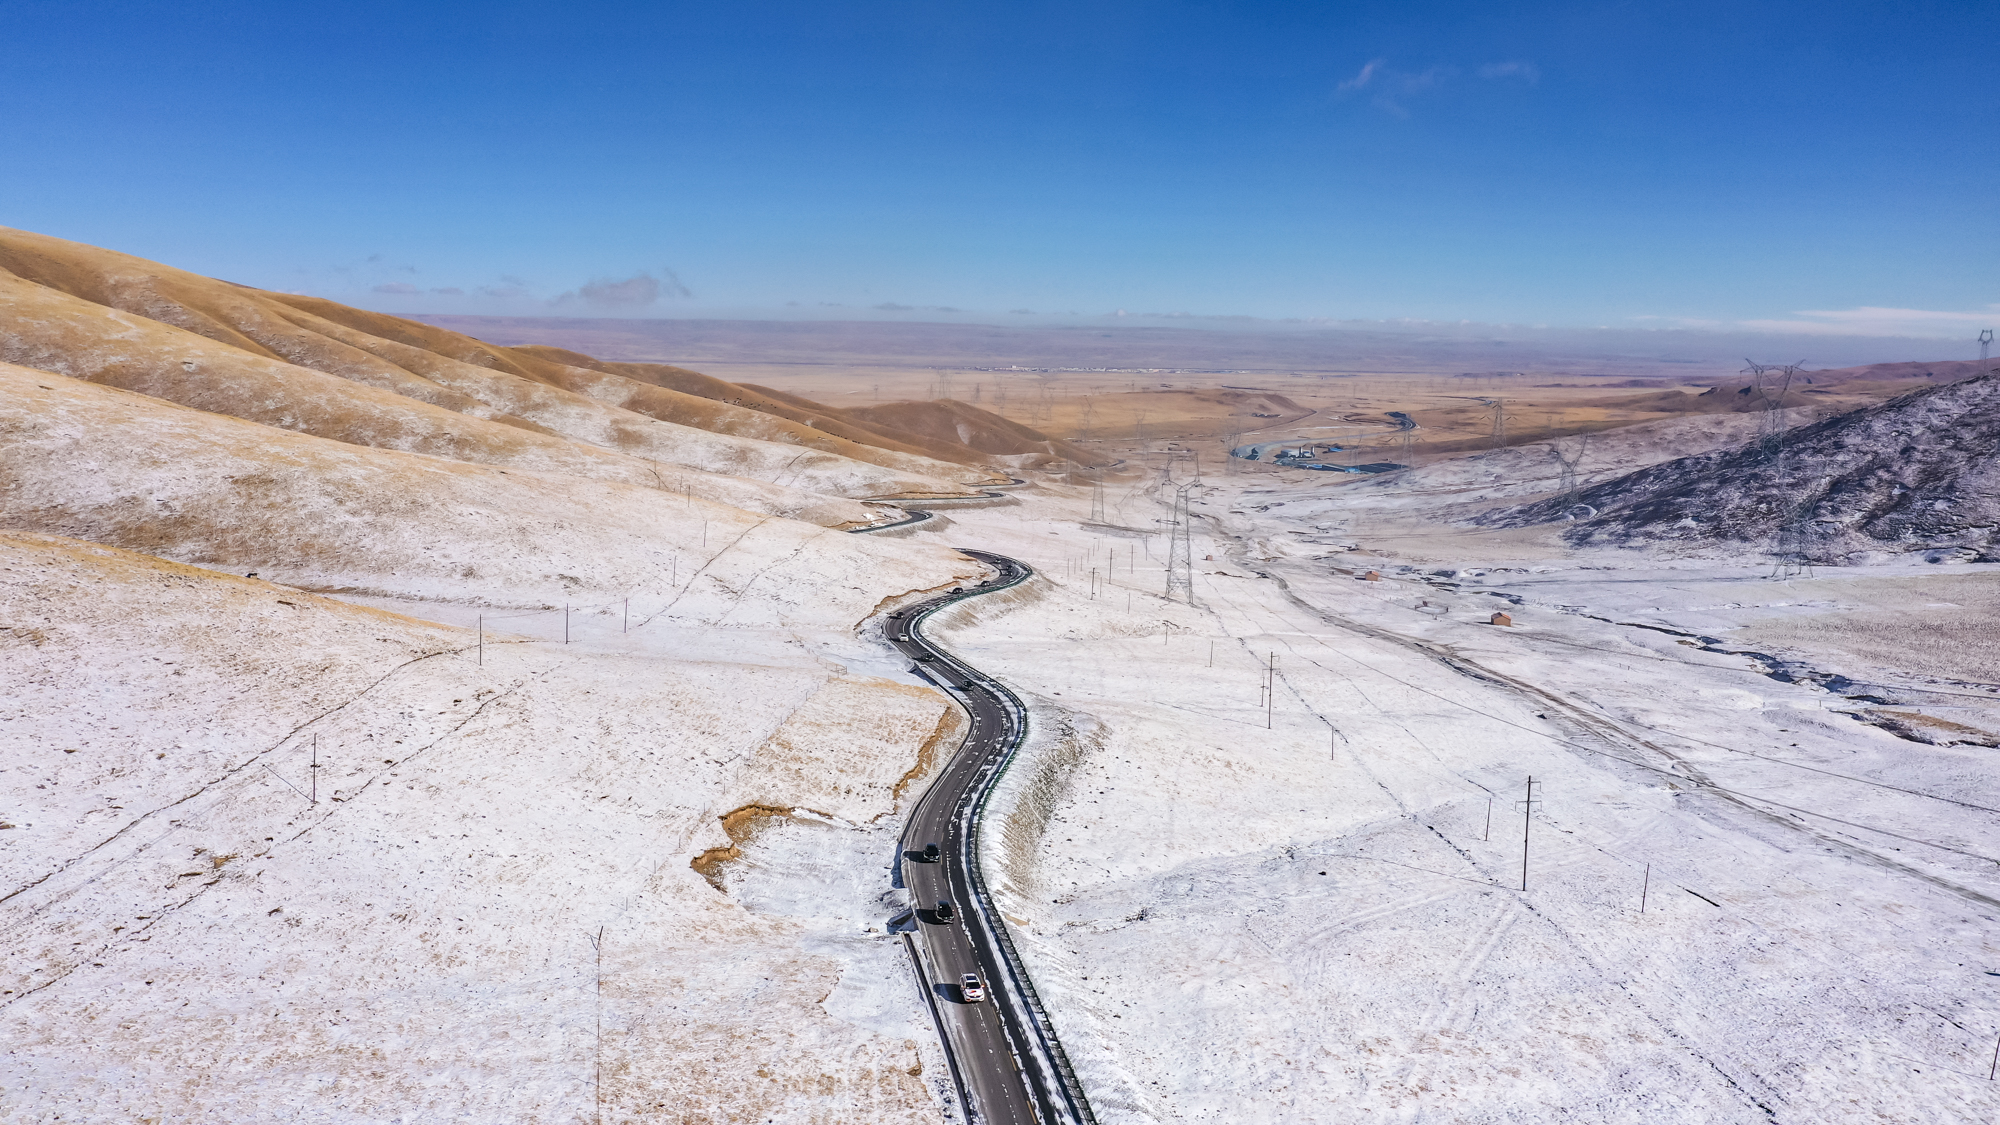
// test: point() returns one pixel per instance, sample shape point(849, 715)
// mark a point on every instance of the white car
point(970, 989)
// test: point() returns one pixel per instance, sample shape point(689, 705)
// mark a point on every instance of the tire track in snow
point(227, 774)
point(1450, 1011)
point(230, 792)
point(1579, 954)
point(1575, 718)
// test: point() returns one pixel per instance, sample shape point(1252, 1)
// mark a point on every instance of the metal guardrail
point(937, 1021)
point(910, 520)
point(970, 810)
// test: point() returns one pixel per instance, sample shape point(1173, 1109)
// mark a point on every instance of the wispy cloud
point(1513, 68)
point(639, 291)
point(1364, 77)
point(1876, 321)
point(1391, 90)
point(1867, 320)
point(404, 289)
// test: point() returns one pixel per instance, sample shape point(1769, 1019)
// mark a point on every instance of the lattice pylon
point(1180, 550)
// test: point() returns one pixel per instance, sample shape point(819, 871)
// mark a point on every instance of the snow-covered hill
point(1915, 475)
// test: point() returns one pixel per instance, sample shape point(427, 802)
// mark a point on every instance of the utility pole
point(315, 771)
point(482, 640)
point(597, 1051)
point(1985, 343)
point(1527, 818)
point(1271, 691)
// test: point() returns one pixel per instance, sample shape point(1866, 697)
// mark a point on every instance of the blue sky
point(1824, 167)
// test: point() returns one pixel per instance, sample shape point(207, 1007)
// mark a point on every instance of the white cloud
point(1362, 77)
point(639, 291)
point(1871, 320)
point(1868, 320)
point(1513, 68)
point(1391, 87)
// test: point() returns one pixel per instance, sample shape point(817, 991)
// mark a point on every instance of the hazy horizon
point(1133, 344)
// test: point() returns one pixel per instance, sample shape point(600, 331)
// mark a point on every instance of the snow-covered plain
point(1239, 908)
point(1314, 920)
point(491, 913)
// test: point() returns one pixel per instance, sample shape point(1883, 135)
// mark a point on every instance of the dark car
point(930, 853)
point(944, 910)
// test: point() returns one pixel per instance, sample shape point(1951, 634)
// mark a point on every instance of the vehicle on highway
point(930, 853)
point(970, 990)
point(944, 910)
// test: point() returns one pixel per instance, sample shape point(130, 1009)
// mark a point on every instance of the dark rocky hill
point(1917, 474)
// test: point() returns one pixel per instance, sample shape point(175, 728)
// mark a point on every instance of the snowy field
point(490, 913)
point(651, 865)
point(1309, 907)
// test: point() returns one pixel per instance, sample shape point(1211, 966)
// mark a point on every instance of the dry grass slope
point(252, 329)
point(115, 467)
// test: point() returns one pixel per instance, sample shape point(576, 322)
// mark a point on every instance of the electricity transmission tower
point(1499, 423)
point(1791, 547)
point(1771, 423)
point(1791, 550)
point(1097, 500)
point(1180, 545)
point(1180, 550)
point(1568, 485)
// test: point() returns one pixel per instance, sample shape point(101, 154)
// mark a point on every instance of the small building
point(1501, 619)
point(1371, 576)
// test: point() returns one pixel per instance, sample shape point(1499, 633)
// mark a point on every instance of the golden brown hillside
point(62, 300)
point(765, 401)
point(114, 467)
point(948, 420)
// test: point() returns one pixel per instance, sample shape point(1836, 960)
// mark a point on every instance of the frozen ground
point(1313, 920)
point(490, 912)
point(1241, 908)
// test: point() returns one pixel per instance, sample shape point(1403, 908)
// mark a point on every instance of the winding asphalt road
point(1009, 1067)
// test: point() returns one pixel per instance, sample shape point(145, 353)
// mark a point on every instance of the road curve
point(1010, 1068)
